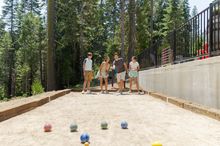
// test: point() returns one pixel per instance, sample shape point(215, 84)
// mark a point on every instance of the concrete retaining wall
point(196, 81)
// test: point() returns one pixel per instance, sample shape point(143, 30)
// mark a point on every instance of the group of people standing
point(119, 65)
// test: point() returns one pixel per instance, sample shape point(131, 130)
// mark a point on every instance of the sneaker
point(88, 92)
point(121, 93)
point(130, 92)
point(106, 92)
point(83, 92)
point(102, 92)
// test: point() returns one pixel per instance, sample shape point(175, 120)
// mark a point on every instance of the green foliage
point(186, 9)
point(22, 46)
point(22, 78)
point(143, 25)
point(37, 87)
point(173, 16)
point(194, 11)
point(27, 63)
point(159, 14)
point(2, 93)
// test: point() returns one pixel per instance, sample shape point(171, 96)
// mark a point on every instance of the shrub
point(2, 93)
point(37, 88)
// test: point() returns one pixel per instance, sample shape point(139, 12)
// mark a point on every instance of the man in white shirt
point(87, 72)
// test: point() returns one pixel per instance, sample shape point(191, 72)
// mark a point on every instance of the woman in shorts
point(104, 73)
point(133, 73)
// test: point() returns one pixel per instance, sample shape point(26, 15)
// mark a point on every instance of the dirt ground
point(149, 120)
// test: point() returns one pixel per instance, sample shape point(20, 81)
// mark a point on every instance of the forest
point(100, 26)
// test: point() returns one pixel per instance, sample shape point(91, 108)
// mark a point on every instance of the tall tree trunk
point(31, 6)
point(132, 29)
point(11, 80)
point(40, 53)
point(31, 80)
point(122, 21)
point(41, 65)
point(81, 52)
point(51, 46)
point(81, 38)
point(114, 17)
point(151, 23)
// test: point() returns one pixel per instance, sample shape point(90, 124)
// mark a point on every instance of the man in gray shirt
point(121, 69)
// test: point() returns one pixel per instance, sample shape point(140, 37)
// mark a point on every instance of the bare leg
point(106, 84)
point(122, 85)
point(84, 85)
point(137, 84)
point(88, 85)
point(112, 78)
point(131, 84)
point(118, 82)
point(101, 81)
point(119, 86)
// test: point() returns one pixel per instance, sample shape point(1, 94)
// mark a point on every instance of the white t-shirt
point(88, 64)
point(134, 66)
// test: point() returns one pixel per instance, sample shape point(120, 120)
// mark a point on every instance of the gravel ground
point(149, 120)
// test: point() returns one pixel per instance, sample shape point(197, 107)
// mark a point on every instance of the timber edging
point(17, 109)
point(193, 107)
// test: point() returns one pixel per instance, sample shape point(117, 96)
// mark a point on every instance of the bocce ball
point(84, 137)
point(86, 144)
point(73, 127)
point(47, 128)
point(124, 125)
point(156, 144)
point(104, 125)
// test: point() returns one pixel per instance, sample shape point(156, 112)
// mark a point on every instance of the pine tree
point(122, 23)
point(132, 29)
point(2, 60)
point(184, 33)
point(42, 52)
point(173, 16)
point(195, 27)
point(186, 9)
point(9, 14)
point(143, 25)
point(112, 15)
point(51, 47)
point(32, 6)
point(27, 56)
point(78, 28)
point(2, 28)
point(194, 11)
point(159, 18)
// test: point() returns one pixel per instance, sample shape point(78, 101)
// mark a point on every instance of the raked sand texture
point(149, 120)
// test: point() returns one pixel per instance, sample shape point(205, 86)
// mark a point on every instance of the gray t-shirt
point(119, 65)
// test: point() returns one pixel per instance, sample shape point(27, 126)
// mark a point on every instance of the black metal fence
point(198, 38)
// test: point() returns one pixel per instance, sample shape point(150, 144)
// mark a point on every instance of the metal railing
point(198, 38)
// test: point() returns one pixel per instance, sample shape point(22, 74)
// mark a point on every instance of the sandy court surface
point(149, 120)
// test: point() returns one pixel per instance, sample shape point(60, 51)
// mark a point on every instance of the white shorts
point(121, 76)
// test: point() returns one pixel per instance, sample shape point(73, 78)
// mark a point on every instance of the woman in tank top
point(104, 71)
